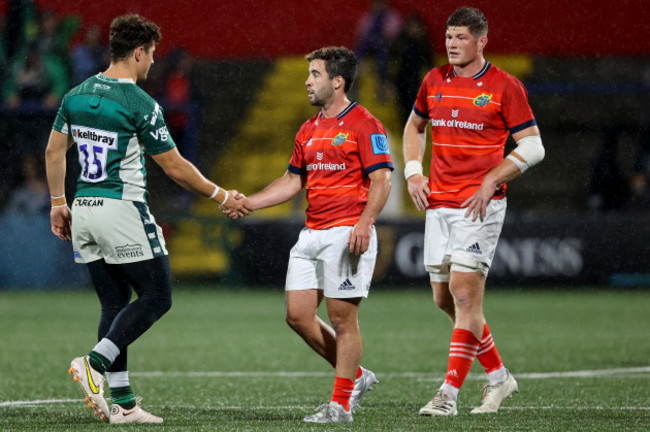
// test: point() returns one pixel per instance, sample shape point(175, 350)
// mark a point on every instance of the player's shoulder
point(499, 74)
point(309, 123)
point(362, 114)
point(438, 73)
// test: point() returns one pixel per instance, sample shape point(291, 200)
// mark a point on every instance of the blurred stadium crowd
point(42, 55)
point(590, 98)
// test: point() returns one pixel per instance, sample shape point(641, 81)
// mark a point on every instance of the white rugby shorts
point(454, 242)
point(117, 231)
point(321, 259)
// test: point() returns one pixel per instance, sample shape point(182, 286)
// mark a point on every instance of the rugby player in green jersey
point(113, 123)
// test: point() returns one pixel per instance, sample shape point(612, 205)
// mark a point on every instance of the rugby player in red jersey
point(341, 157)
point(472, 107)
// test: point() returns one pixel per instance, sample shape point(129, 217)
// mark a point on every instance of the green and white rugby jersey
point(113, 124)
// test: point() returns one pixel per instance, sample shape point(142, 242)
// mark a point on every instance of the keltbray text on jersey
point(93, 145)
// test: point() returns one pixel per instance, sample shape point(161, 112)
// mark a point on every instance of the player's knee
point(444, 302)
point(297, 321)
point(165, 305)
point(159, 305)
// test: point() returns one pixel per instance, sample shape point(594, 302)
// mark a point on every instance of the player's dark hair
point(339, 61)
point(471, 18)
point(129, 32)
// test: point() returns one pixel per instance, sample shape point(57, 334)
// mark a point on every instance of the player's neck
point(121, 70)
point(470, 69)
point(336, 107)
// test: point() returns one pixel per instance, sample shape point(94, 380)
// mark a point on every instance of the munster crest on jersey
point(339, 138)
point(482, 99)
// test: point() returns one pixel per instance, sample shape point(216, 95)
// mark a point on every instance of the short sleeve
point(151, 128)
point(517, 113)
point(61, 120)
point(374, 150)
point(420, 106)
point(297, 162)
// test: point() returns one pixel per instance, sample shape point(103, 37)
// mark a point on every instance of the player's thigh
point(118, 231)
point(302, 304)
point(343, 309)
point(346, 275)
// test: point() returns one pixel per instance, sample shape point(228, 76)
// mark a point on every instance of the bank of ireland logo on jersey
point(339, 139)
point(482, 99)
point(379, 144)
point(319, 156)
point(454, 113)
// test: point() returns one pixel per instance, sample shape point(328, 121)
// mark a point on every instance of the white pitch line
point(38, 402)
point(576, 408)
point(420, 375)
point(27, 404)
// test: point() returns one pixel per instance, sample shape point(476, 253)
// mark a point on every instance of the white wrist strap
point(225, 199)
point(412, 168)
point(62, 205)
point(53, 197)
point(214, 194)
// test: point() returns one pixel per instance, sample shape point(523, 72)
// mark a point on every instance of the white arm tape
point(531, 149)
point(412, 168)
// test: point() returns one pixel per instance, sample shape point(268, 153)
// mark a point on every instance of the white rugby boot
point(362, 385)
point(332, 412)
point(136, 414)
point(440, 405)
point(92, 384)
point(493, 395)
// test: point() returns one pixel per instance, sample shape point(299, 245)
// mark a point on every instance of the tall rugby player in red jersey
point(472, 106)
point(341, 156)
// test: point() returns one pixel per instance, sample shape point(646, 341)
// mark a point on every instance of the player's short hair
point(339, 61)
point(129, 32)
point(471, 18)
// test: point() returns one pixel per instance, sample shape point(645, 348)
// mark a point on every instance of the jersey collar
point(342, 113)
point(103, 77)
point(479, 74)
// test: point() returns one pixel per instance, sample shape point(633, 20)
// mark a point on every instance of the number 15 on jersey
point(93, 146)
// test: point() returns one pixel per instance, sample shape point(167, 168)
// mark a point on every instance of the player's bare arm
point(279, 191)
point(414, 144)
point(187, 175)
point(507, 170)
point(377, 196)
point(60, 216)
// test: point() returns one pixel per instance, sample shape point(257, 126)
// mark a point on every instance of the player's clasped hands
point(237, 206)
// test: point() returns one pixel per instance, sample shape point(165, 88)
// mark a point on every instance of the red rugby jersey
point(337, 154)
point(470, 122)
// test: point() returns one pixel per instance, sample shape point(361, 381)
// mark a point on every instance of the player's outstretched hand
point(237, 206)
point(418, 186)
point(60, 220)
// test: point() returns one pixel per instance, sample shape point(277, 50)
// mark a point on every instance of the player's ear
point(482, 41)
point(338, 82)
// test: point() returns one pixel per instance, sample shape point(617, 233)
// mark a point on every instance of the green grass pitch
point(224, 360)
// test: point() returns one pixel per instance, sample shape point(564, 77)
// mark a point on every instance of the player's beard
point(322, 97)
